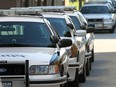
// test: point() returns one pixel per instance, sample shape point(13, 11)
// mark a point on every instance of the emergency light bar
point(6, 12)
point(11, 12)
point(55, 8)
point(27, 11)
point(49, 8)
point(69, 8)
point(16, 8)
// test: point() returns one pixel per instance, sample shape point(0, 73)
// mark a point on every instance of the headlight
point(108, 20)
point(43, 70)
point(53, 69)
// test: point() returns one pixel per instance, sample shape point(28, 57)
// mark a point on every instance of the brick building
point(5, 4)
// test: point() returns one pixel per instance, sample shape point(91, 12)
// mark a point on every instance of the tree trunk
point(26, 3)
point(80, 4)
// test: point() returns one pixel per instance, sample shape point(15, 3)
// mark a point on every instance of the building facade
point(6, 4)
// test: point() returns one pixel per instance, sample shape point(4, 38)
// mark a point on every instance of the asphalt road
point(103, 73)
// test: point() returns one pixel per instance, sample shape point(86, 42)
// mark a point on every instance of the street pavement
point(103, 73)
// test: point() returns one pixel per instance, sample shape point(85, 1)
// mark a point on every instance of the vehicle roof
point(96, 4)
point(21, 19)
point(99, 1)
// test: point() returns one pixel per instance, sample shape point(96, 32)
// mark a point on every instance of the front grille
point(12, 69)
point(95, 20)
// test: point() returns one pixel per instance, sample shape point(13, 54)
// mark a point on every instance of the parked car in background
point(100, 1)
point(31, 52)
point(66, 29)
point(108, 2)
point(60, 22)
point(90, 36)
point(100, 15)
point(81, 24)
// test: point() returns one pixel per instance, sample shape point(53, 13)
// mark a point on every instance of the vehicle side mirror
point(83, 27)
point(67, 34)
point(80, 33)
point(65, 42)
point(70, 26)
point(91, 28)
point(114, 11)
point(54, 39)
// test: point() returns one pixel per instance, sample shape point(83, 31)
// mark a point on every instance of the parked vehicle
point(66, 29)
point(82, 25)
point(31, 52)
point(79, 28)
point(90, 36)
point(100, 15)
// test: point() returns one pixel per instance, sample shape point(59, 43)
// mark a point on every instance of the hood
point(33, 54)
point(90, 16)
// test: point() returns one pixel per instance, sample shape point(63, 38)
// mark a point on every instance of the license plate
point(98, 25)
point(6, 84)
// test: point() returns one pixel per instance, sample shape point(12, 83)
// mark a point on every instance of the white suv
point(101, 15)
point(31, 53)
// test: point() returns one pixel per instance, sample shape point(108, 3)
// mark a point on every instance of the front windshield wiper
point(17, 45)
point(25, 45)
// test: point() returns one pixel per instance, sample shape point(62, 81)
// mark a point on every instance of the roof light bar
point(69, 8)
point(11, 12)
point(16, 8)
point(55, 8)
point(7, 12)
point(28, 11)
point(49, 8)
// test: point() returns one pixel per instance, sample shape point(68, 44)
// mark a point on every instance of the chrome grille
point(95, 20)
point(12, 69)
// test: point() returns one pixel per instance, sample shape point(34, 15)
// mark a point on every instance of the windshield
point(26, 34)
point(60, 25)
point(95, 10)
point(76, 22)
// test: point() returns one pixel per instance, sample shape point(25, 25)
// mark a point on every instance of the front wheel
point(65, 84)
point(88, 67)
point(82, 76)
point(75, 83)
point(112, 30)
point(92, 57)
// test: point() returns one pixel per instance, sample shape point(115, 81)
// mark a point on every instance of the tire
point(92, 57)
point(65, 84)
point(112, 30)
point(90, 64)
point(88, 67)
point(82, 76)
point(75, 83)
